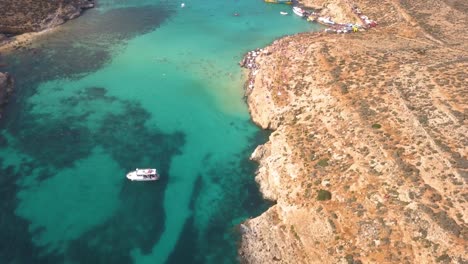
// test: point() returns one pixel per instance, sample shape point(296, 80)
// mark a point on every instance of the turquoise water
point(134, 84)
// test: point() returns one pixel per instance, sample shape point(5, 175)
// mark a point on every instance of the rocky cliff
point(368, 159)
point(21, 16)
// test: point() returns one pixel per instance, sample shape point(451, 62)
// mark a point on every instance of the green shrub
point(323, 195)
point(444, 258)
point(323, 162)
point(376, 126)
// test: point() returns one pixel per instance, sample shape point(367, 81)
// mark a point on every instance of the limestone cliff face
point(376, 121)
point(6, 88)
point(21, 16)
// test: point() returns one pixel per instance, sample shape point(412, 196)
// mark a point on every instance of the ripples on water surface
point(134, 84)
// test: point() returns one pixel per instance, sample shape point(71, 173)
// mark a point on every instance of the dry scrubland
point(368, 158)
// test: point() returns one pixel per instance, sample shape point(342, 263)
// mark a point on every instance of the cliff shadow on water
point(240, 199)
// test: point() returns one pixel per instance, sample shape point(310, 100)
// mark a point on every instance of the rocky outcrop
point(339, 10)
point(23, 16)
point(6, 89)
point(368, 161)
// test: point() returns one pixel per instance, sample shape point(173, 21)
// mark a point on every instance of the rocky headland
point(20, 19)
point(367, 161)
point(24, 16)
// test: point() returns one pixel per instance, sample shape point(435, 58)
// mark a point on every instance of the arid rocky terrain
point(367, 161)
point(35, 15)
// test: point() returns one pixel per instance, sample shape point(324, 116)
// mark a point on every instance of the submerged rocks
point(6, 89)
point(23, 16)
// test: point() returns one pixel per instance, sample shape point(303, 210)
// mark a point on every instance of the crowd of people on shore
point(248, 62)
point(249, 59)
point(333, 27)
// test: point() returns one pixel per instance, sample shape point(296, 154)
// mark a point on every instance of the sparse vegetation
point(323, 162)
point(444, 258)
point(293, 231)
point(384, 118)
point(324, 195)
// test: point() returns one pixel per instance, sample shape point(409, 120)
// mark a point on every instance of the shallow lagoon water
point(134, 84)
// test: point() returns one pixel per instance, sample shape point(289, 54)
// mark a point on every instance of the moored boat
point(298, 11)
point(143, 175)
point(283, 13)
point(288, 2)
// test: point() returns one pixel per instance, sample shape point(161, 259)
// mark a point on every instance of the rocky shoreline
point(22, 20)
point(368, 161)
point(33, 16)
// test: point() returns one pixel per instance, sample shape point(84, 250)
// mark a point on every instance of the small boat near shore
point(283, 13)
point(298, 11)
point(288, 2)
point(143, 175)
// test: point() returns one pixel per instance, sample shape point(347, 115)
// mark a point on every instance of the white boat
point(143, 175)
point(326, 20)
point(298, 11)
point(283, 13)
point(288, 2)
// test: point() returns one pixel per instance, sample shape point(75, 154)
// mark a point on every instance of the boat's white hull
point(134, 177)
point(298, 11)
